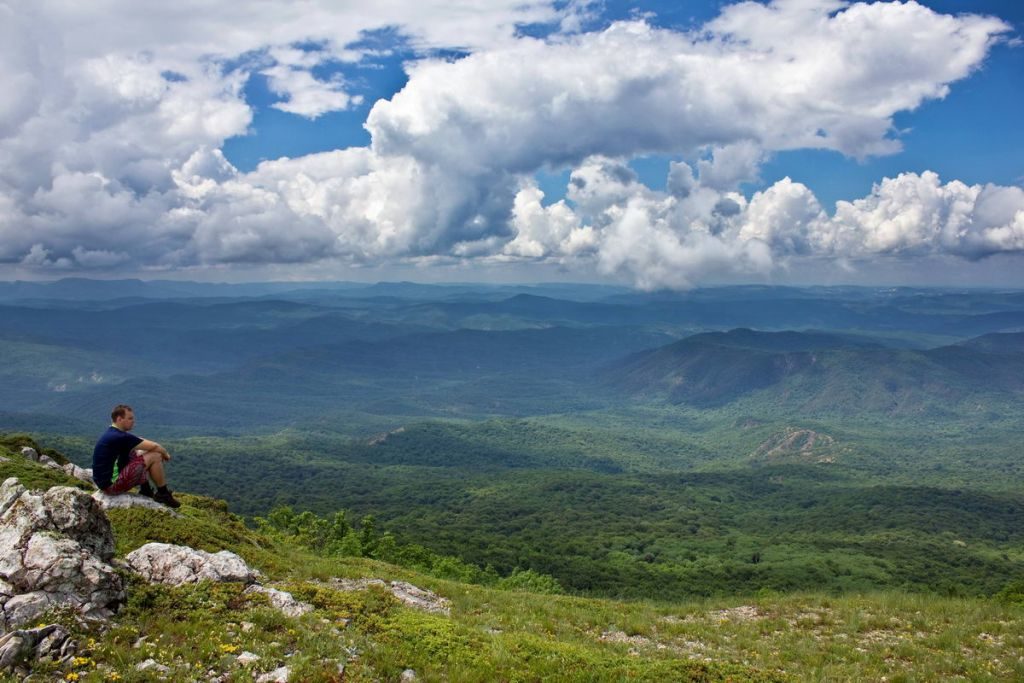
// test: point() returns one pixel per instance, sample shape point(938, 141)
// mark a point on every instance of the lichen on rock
point(176, 565)
point(55, 549)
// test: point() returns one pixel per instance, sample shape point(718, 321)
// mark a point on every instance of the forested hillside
point(717, 442)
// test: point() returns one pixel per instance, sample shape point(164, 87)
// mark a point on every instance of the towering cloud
point(113, 156)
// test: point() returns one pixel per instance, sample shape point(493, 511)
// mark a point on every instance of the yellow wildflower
point(230, 649)
point(71, 677)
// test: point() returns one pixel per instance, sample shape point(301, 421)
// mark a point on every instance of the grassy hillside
point(493, 634)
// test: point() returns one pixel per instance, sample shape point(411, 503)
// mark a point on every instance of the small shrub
point(1012, 593)
point(529, 581)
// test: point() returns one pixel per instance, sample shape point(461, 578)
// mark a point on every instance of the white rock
point(151, 664)
point(54, 641)
point(30, 453)
point(282, 601)
point(420, 598)
point(15, 647)
point(49, 462)
point(410, 595)
point(276, 676)
point(356, 584)
point(75, 514)
point(247, 658)
point(83, 473)
point(55, 549)
point(10, 491)
point(408, 676)
point(25, 607)
point(130, 500)
point(176, 565)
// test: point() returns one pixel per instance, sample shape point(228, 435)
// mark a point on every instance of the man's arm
point(148, 445)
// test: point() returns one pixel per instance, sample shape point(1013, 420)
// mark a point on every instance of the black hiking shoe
point(146, 490)
point(166, 498)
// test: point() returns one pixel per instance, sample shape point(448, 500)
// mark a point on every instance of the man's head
point(122, 417)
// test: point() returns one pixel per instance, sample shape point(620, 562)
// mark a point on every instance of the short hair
point(120, 410)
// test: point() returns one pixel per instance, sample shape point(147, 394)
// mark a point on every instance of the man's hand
point(148, 445)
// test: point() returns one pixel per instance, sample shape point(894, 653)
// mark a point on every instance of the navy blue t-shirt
point(113, 447)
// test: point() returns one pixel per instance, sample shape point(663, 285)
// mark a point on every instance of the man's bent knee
point(151, 457)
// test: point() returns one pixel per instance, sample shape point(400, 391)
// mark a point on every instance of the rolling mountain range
point(271, 354)
point(821, 372)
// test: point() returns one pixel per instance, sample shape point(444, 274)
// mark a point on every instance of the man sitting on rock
point(136, 460)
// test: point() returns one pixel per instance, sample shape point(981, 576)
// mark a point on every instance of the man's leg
point(155, 467)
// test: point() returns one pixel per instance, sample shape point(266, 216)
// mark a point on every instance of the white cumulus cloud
point(112, 155)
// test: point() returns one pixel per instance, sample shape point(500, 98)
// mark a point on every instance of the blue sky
point(660, 144)
point(967, 135)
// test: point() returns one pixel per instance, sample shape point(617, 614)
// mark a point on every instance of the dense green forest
point(732, 441)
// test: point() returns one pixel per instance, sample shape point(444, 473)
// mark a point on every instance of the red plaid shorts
point(133, 474)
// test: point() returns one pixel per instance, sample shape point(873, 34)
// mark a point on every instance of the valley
point(724, 441)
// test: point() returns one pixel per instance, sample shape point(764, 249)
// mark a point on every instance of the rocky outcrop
point(176, 564)
point(282, 601)
point(47, 461)
point(22, 647)
point(82, 473)
point(130, 500)
point(32, 454)
point(406, 593)
point(55, 549)
point(70, 468)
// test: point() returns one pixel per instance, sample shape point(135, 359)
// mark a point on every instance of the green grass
point(198, 631)
point(495, 635)
point(31, 474)
point(657, 501)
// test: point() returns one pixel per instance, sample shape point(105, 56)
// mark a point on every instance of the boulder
point(55, 549)
point(30, 454)
point(83, 473)
point(175, 565)
point(282, 601)
point(130, 500)
point(25, 646)
point(49, 462)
